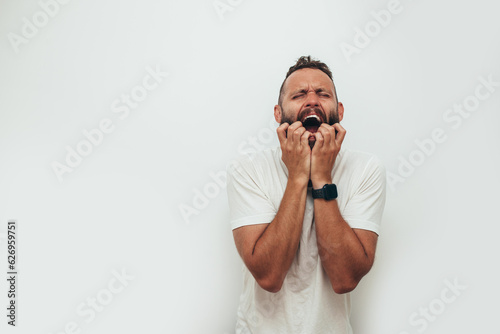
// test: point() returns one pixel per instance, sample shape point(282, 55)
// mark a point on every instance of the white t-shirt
point(306, 302)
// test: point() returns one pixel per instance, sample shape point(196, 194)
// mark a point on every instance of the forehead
point(308, 78)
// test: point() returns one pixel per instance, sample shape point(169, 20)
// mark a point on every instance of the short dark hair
point(306, 62)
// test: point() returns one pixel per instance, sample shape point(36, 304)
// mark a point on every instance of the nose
point(312, 100)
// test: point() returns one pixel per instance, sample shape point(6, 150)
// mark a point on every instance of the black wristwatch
point(328, 192)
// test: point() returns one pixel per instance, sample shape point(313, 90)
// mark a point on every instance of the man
point(305, 216)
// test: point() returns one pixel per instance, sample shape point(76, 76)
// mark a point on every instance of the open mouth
point(311, 123)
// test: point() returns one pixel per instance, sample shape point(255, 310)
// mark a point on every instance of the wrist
point(320, 182)
point(298, 180)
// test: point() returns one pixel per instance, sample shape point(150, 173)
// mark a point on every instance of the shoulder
point(358, 167)
point(255, 163)
point(360, 160)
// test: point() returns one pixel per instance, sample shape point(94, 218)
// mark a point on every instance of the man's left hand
point(324, 153)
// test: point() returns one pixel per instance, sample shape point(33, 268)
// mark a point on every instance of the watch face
point(330, 191)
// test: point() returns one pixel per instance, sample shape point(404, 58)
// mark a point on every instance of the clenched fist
point(296, 153)
point(325, 152)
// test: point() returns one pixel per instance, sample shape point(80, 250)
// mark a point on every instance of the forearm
point(276, 248)
point(342, 254)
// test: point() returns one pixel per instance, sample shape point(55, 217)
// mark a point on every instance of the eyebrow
point(304, 90)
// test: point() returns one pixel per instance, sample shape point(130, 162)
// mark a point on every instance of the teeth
point(313, 116)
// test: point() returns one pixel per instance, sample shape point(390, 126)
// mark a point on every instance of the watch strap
point(318, 193)
point(328, 192)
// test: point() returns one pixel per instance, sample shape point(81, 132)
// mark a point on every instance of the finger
point(304, 139)
point(281, 130)
point(291, 129)
point(341, 133)
point(320, 140)
point(333, 134)
point(295, 126)
point(297, 134)
point(326, 132)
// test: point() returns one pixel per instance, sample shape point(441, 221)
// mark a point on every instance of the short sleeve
point(365, 208)
point(248, 203)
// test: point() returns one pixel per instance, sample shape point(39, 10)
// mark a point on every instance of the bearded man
point(306, 215)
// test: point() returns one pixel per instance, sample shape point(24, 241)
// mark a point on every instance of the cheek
point(331, 113)
point(290, 110)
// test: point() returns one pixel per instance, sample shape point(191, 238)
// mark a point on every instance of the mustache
point(317, 111)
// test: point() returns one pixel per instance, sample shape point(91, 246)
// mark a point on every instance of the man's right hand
point(268, 249)
point(296, 152)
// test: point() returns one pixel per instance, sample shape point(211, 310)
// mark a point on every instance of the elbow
point(344, 287)
point(347, 283)
point(270, 284)
point(269, 279)
point(274, 288)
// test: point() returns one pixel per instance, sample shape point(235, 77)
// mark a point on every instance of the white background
point(120, 208)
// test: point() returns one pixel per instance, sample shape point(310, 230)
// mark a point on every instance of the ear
point(341, 111)
point(277, 113)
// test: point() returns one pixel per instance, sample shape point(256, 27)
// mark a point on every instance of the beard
point(333, 116)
